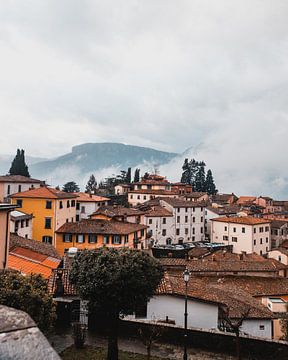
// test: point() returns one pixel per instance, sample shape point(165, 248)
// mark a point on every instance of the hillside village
point(233, 247)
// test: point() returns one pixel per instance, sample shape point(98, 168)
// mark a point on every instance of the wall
point(89, 208)
point(14, 188)
point(134, 199)
point(200, 314)
point(24, 231)
point(252, 327)
point(3, 227)
point(277, 255)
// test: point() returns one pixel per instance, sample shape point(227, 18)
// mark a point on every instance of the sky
point(209, 76)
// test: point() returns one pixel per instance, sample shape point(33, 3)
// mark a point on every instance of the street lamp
point(186, 276)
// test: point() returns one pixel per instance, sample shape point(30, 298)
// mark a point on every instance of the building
point(246, 200)
point(197, 197)
point(32, 257)
point(12, 184)
point(224, 199)
point(279, 233)
point(280, 254)
point(5, 210)
point(119, 213)
point(50, 209)
point(181, 188)
point(122, 189)
point(87, 204)
point(246, 234)
point(21, 224)
point(92, 234)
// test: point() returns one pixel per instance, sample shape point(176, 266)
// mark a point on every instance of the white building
point(138, 197)
point(246, 234)
point(87, 204)
point(122, 189)
point(21, 224)
point(12, 184)
point(280, 254)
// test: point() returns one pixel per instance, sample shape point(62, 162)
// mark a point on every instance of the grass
point(96, 353)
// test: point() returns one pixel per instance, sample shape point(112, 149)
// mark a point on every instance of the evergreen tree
point(91, 186)
point(137, 175)
point(128, 176)
point(186, 175)
point(210, 185)
point(71, 187)
point(18, 166)
point(146, 176)
point(200, 179)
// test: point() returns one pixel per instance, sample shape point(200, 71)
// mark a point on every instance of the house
point(246, 200)
point(5, 210)
point(265, 202)
point(223, 199)
point(87, 204)
point(223, 263)
point(21, 224)
point(181, 188)
point(197, 196)
point(208, 305)
point(280, 254)
point(122, 189)
point(246, 234)
point(279, 232)
point(12, 184)
point(50, 208)
point(92, 234)
point(32, 257)
point(119, 213)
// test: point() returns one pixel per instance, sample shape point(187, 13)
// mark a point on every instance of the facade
point(279, 233)
point(246, 234)
point(50, 209)
point(138, 197)
point(12, 184)
point(279, 254)
point(119, 213)
point(197, 196)
point(93, 234)
point(87, 204)
point(181, 188)
point(5, 210)
point(224, 199)
point(122, 189)
point(21, 224)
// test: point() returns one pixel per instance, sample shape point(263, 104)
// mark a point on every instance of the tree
point(209, 184)
point(104, 278)
point(146, 176)
point(30, 294)
point(18, 165)
point(149, 334)
point(71, 187)
point(91, 186)
point(128, 176)
point(200, 179)
point(186, 175)
point(136, 175)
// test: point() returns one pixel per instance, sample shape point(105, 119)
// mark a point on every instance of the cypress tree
point(137, 175)
point(18, 165)
point(128, 176)
point(186, 174)
point(210, 185)
point(200, 179)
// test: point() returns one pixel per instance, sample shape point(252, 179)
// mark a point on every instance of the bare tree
point(149, 334)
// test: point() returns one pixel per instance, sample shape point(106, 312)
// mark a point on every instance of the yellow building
point(92, 234)
point(50, 208)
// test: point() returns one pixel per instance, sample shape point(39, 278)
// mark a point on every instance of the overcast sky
point(161, 73)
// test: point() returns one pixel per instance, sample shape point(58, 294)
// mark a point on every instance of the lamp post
point(186, 276)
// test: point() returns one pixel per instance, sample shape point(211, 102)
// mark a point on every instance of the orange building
point(50, 208)
point(92, 234)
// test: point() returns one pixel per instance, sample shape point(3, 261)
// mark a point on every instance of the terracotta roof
point(183, 203)
point(69, 290)
point(245, 220)
point(98, 226)
point(244, 199)
point(195, 195)
point(44, 193)
point(37, 246)
point(226, 210)
point(112, 211)
point(234, 299)
point(19, 179)
point(158, 211)
point(223, 197)
point(84, 197)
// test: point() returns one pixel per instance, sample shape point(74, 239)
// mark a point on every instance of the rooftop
point(154, 192)
point(158, 211)
point(174, 202)
point(44, 193)
point(244, 220)
point(20, 179)
point(112, 211)
point(19, 215)
point(84, 197)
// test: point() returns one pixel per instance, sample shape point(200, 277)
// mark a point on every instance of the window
point(178, 219)
point(22, 223)
point(193, 230)
point(60, 205)
point(138, 197)
point(19, 188)
point(178, 209)
point(48, 223)
point(261, 241)
point(126, 239)
point(279, 258)
point(254, 242)
point(8, 189)
point(164, 232)
point(266, 228)
point(193, 209)
point(19, 202)
point(48, 204)
point(116, 239)
point(144, 197)
point(106, 239)
point(77, 206)
point(225, 237)
point(92, 238)
point(267, 240)
point(234, 239)
point(254, 230)
point(77, 217)
point(193, 219)
point(177, 232)
point(261, 327)
point(202, 229)
point(164, 220)
point(73, 203)
point(168, 241)
point(234, 229)
point(243, 230)
point(261, 252)
point(261, 229)
point(68, 204)
point(27, 223)
point(267, 249)
point(80, 238)
point(150, 221)
point(186, 231)
point(131, 196)
point(186, 219)
point(193, 238)
point(142, 232)
point(82, 209)
point(225, 228)
point(201, 218)
point(67, 238)
point(47, 239)
point(186, 209)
